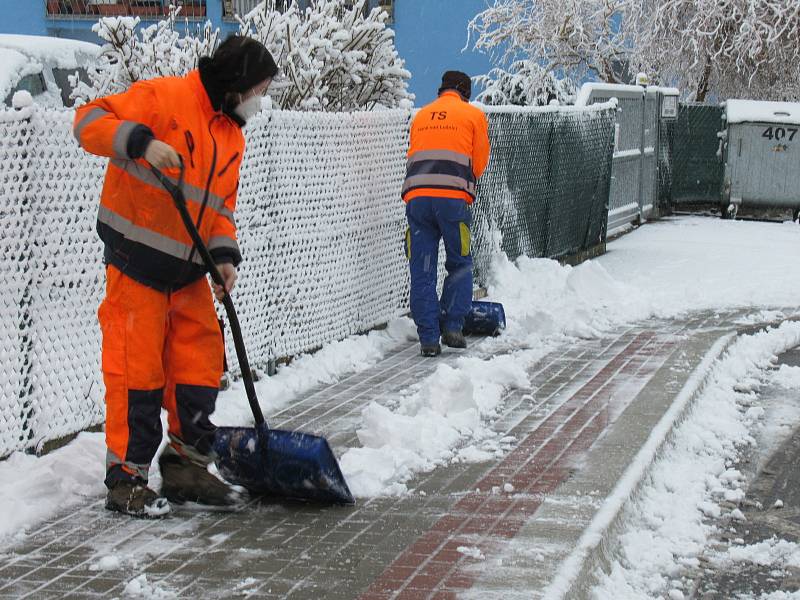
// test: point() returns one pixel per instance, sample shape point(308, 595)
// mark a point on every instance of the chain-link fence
point(697, 168)
point(546, 187)
point(666, 133)
point(53, 279)
point(321, 227)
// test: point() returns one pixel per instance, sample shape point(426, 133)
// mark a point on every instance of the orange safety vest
point(143, 233)
point(449, 149)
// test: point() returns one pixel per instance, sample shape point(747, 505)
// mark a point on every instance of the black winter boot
point(184, 480)
point(134, 498)
point(430, 350)
point(454, 339)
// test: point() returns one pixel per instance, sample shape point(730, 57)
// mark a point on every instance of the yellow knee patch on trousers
point(408, 243)
point(465, 239)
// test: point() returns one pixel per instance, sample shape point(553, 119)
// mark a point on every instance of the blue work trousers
point(429, 220)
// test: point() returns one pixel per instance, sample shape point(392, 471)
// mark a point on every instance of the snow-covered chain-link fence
point(546, 188)
point(321, 227)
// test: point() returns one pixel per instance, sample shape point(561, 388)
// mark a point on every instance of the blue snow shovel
point(269, 462)
point(485, 318)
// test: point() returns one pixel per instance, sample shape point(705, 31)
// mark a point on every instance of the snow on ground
point(328, 365)
point(431, 425)
point(664, 269)
point(708, 263)
point(139, 587)
point(781, 596)
point(32, 489)
point(668, 526)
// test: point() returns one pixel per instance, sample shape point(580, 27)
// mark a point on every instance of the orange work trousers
point(160, 349)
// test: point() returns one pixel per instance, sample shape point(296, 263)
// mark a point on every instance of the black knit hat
point(237, 65)
point(458, 81)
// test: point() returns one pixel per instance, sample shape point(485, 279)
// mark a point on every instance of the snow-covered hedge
point(332, 56)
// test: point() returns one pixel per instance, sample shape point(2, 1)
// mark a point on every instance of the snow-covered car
point(42, 66)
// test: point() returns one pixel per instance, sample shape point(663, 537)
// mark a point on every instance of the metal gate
point(635, 168)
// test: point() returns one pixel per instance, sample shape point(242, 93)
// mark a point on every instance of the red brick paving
point(432, 567)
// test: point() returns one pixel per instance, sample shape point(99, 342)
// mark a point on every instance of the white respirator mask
point(248, 108)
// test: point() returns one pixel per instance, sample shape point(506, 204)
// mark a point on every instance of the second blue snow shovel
point(485, 318)
point(265, 461)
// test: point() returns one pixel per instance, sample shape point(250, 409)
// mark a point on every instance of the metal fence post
point(641, 155)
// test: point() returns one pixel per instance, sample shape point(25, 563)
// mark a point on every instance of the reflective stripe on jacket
point(143, 232)
point(448, 151)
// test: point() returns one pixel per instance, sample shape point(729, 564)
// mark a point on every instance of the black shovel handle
point(176, 191)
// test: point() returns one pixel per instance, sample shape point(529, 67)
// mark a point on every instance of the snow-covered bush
point(526, 83)
point(332, 56)
point(132, 54)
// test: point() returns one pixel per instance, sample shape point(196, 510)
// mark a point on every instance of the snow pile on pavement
point(667, 527)
point(698, 263)
point(452, 407)
point(788, 377)
point(107, 563)
point(472, 552)
point(328, 365)
point(449, 416)
point(33, 488)
point(141, 588)
point(781, 596)
point(663, 270)
point(779, 553)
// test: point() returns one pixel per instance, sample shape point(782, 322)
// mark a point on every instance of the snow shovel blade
point(287, 464)
point(485, 318)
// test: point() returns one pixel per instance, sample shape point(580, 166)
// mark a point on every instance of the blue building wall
point(22, 17)
point(430, 35)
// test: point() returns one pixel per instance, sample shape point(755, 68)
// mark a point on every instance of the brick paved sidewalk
point(457, 535)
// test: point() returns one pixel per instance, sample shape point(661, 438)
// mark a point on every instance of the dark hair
point(458, 81)
point(238, 64)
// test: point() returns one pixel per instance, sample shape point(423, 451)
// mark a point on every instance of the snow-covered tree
point(741, 48)
point(132, 54)
point(579, 37)
point(729, 48)
point(334, 55)
point(525, 83)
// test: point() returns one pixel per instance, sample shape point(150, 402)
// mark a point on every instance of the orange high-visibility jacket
point(449, 149)
point(142, 230)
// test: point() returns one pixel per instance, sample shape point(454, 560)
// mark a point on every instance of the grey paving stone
point(293, 550)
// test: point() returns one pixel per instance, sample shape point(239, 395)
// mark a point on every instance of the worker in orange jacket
point(162, 345)
point(448, 152)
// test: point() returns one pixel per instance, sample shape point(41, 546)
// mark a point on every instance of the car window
point(33, 83)
point(62, 80)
